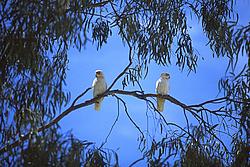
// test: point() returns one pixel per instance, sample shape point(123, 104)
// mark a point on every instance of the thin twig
point(185, 114)
point(138, 160)
point(78, 97)
point(220, 100)
point(113, 125)
point(126, 111)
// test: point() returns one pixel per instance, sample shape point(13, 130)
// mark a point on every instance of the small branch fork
point(137, 94)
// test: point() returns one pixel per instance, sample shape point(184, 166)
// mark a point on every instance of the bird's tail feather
point(160, 104)
point(98, 104)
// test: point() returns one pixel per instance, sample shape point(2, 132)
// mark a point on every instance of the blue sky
point(87, 124)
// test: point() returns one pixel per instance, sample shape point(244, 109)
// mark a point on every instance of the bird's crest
point(165, 75)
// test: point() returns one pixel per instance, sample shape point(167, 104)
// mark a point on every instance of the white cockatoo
point(100, 86)
point(162, 88)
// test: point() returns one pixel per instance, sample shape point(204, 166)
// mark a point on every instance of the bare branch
point(113, 125)
point(78, 97)
point(218, 100)
point(185, 114)
point(98, 4)
point(129, 55)
point(137, 94)
point(126, 111)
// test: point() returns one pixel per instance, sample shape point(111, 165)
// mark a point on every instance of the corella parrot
point(162, 88)
point(100, 86)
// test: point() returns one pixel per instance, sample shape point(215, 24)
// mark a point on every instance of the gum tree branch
point(82, 94)
point(126, 111)
point(113, 125)
point(73, 107)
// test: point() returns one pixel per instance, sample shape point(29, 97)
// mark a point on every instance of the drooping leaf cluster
point(34, 39)
point(36, 35)
point(54, 149)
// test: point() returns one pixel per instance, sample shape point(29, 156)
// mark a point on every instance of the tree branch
point(218, 100)
point(98, 4)
point(126, 111)
point(73, 107)
point(113, 125)
point(78, 97)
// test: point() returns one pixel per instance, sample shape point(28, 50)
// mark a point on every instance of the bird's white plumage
point(99, 86)
point(162, 88)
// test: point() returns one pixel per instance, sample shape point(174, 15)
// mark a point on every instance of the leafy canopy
point(36, 35)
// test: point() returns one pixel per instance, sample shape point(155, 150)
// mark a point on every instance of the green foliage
point(195, 156)
point(101, 32)
point(36, 35)
point(54, 149)
point(241, 152)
